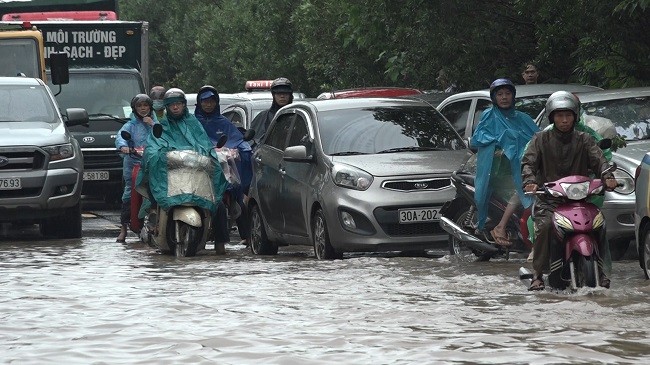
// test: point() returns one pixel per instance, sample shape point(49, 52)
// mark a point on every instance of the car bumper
point(378, 227)
point(619, 217)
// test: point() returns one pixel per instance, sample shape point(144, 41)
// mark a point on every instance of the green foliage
point(333, 44)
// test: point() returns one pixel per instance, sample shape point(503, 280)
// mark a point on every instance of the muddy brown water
point(96, 301)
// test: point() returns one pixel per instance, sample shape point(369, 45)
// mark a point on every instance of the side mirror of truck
point(60, 71)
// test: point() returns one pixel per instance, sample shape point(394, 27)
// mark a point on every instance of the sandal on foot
point(536, 284)
point(500, 240)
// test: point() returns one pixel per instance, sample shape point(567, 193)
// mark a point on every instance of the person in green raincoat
point(182, 131)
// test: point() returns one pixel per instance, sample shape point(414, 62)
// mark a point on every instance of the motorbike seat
point(467, 178)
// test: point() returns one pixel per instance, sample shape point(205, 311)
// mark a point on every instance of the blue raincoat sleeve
point(509, 130)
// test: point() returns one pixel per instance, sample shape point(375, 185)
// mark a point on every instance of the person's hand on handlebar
point(610, 183)
point(530, 188)
point(125, 149)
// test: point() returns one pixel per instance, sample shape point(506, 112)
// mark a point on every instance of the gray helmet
point(173, 95)
point(140, 98)
point(281, 84)
point(157, 92)
point(562, 100)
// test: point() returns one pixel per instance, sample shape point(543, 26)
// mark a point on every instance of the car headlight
point(622, 177)
point(60, 152)
point(351, 177)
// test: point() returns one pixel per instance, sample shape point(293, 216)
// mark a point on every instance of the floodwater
point(96, 301)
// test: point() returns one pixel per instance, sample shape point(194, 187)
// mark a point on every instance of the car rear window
point(372, 130)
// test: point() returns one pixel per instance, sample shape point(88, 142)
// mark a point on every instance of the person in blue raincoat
point(216, 125)
point(501, 137)
point(182, 131)
point(139, 127)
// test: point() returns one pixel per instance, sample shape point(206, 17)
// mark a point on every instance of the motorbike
point(578, 227)
point(459, 218)
point(136, 198)
point(182, 229)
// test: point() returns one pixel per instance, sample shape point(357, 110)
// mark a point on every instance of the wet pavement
point(93, 300)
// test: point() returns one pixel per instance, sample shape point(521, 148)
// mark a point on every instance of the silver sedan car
point(346, 175)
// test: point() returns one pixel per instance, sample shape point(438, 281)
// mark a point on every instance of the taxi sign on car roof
point(258, 85)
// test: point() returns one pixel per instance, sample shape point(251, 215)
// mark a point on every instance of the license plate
point(417, 215)
point(10, 183)
point(95, 175)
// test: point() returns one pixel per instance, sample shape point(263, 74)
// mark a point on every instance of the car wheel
point(67, 225)
point(644, 254)
point(322, 246)
point(260, 244)
point(618, 248)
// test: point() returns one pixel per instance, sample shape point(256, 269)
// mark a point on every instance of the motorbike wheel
point(260, 244)
point(188, 239)
point(461, 252)
point(586, 269)
point(322, 246)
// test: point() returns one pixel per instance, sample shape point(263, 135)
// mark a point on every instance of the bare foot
point(500, 236)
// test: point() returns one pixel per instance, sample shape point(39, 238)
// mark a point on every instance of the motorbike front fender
point(189, 215)
point(581, 243)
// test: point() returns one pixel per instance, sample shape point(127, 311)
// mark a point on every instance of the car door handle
point(282, 170)
point(258, 159)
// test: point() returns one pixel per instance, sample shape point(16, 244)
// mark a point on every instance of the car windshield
point(531, 105)
point(26, 103)
point(386, 129)
point(630, 116)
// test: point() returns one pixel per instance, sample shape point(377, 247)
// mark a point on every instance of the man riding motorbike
point(553, 154)
point(181, 130)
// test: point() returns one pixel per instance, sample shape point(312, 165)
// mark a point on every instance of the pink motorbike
point(578, 227)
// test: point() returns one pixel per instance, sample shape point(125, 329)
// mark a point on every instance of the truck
point(21, 51)
point(108, 65)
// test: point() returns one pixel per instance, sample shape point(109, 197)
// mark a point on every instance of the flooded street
point(97, 301)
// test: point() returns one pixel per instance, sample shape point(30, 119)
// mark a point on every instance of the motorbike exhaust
point(470, 240)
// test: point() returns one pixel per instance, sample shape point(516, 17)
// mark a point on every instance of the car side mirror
point(297, 154)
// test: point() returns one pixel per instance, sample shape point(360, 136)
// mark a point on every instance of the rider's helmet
point(501, 83)
point(139, 99)
point(281, 85)
point(157, 92)
point(174, 95)
point(207, 91)
point(562, 100)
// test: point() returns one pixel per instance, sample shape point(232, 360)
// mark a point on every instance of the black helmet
point(501, 83)
point(206, 91)
point(140, 98)
point(281, 85)
point(173, 95)
point(157, 92)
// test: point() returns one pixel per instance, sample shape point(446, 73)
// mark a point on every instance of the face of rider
point(504, 98)
point(209, 104)
point(176, 108)
point(563, 120)
point(281, 98)
point(142, 109)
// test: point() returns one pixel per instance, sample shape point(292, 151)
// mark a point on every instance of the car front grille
point(97, 159)
point(20, 193)
point(21, 160)
point(417, 185)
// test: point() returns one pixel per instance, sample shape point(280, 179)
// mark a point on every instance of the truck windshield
point(19, 56)
point(26, 103)
point(107, 93)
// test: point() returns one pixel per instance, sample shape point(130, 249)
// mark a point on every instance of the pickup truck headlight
point(60, 152)
point(351, 177)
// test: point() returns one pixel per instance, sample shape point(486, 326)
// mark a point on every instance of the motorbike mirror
point(249, 134)
point(157, 130)
point(605, 143)
point(126, 135)
point(222, 141)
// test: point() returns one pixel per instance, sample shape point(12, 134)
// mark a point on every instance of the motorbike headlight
point(622, 177)
point(60, 152)
point(577, 191)
point(351, 177)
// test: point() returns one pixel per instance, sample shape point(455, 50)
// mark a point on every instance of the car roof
point(369, 92)
point(348, 103)
point(613, 94)
point(19, 81)
point(527, 90)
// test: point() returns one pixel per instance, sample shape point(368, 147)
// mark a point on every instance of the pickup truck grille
point(25, 160)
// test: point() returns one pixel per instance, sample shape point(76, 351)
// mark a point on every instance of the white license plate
point(10, 183)
point(417, 215)
point(95, 175)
